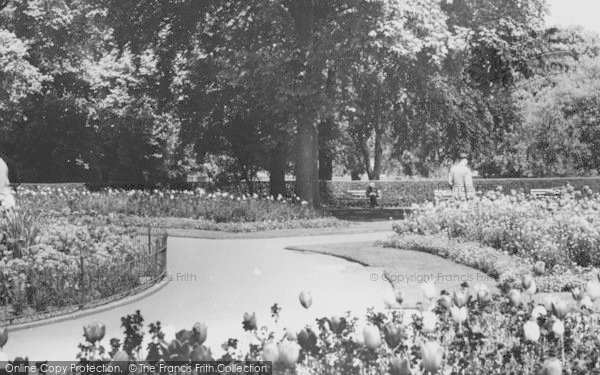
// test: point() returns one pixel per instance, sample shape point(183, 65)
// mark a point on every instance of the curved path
point(216, 281)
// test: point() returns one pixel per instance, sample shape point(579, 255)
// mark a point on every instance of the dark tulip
point(399, 296)
point(184, 335)
point(392, 333)
point(337, 324)
point(250, 321)
point(307, 340)
point(539, 268)
point(526, 281)
point(577, 294)
point(400, 366)
point(460, 298)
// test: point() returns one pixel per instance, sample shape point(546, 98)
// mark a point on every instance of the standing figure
point(7, 200)
point(461, 179)
point(372, 194)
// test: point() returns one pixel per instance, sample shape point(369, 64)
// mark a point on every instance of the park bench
point(357, 194)
point(442, 195)
point(541, 193)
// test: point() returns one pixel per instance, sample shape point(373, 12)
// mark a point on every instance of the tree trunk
point(307, 154)
point(277, 172)
point(307, 183)
point(378, 155)
point(325, 149)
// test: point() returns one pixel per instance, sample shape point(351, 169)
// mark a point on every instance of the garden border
point(159, 240)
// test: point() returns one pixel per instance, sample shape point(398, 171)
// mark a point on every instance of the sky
point(575, 12)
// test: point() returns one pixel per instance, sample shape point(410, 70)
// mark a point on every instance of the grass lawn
point(406, 269)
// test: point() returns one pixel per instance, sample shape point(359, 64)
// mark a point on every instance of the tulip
point(307, 340)
point(431, 357)
point(94, 332)
point(200, 332)
point(429, 290)
point(290, 335)
point(446, 301)
point(399, 296)
point(560, 309)
point(3, 337)
point(483, 294)
point(337, 324)
point(549, 302)
point(400, 366)
point(120, 356)
point(250, 321)
point(270, 352)
point(526, 281)
point(119, 361)
point(289, 353)
point(552, 366)
point(392, 333)
point(460, 298)
point(201, 353)
point(305, 299)
point(429, 321)
point(372, 337)
point(459, 315)
point(531, 331)
point(586, 302)
point(539, 268)
point(558, 328)
point(532, 288)
point(514, 297)
point(538, 311)
point(577, 294)
point(593, 290)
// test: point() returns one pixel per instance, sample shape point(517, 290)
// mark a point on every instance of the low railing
point(41, 294)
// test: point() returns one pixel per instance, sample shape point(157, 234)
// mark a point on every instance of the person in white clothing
point(7, 200)
point(461, 179)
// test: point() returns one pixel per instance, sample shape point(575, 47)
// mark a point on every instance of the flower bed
point(57, 264)
point(504, 267)
point(218, 207)
point(219, 211)
point(561, 231)
point(468, 332)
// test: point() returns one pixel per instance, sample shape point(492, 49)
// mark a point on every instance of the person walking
point(461, 179)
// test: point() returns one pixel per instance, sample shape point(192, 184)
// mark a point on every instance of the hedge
point(405, 193)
